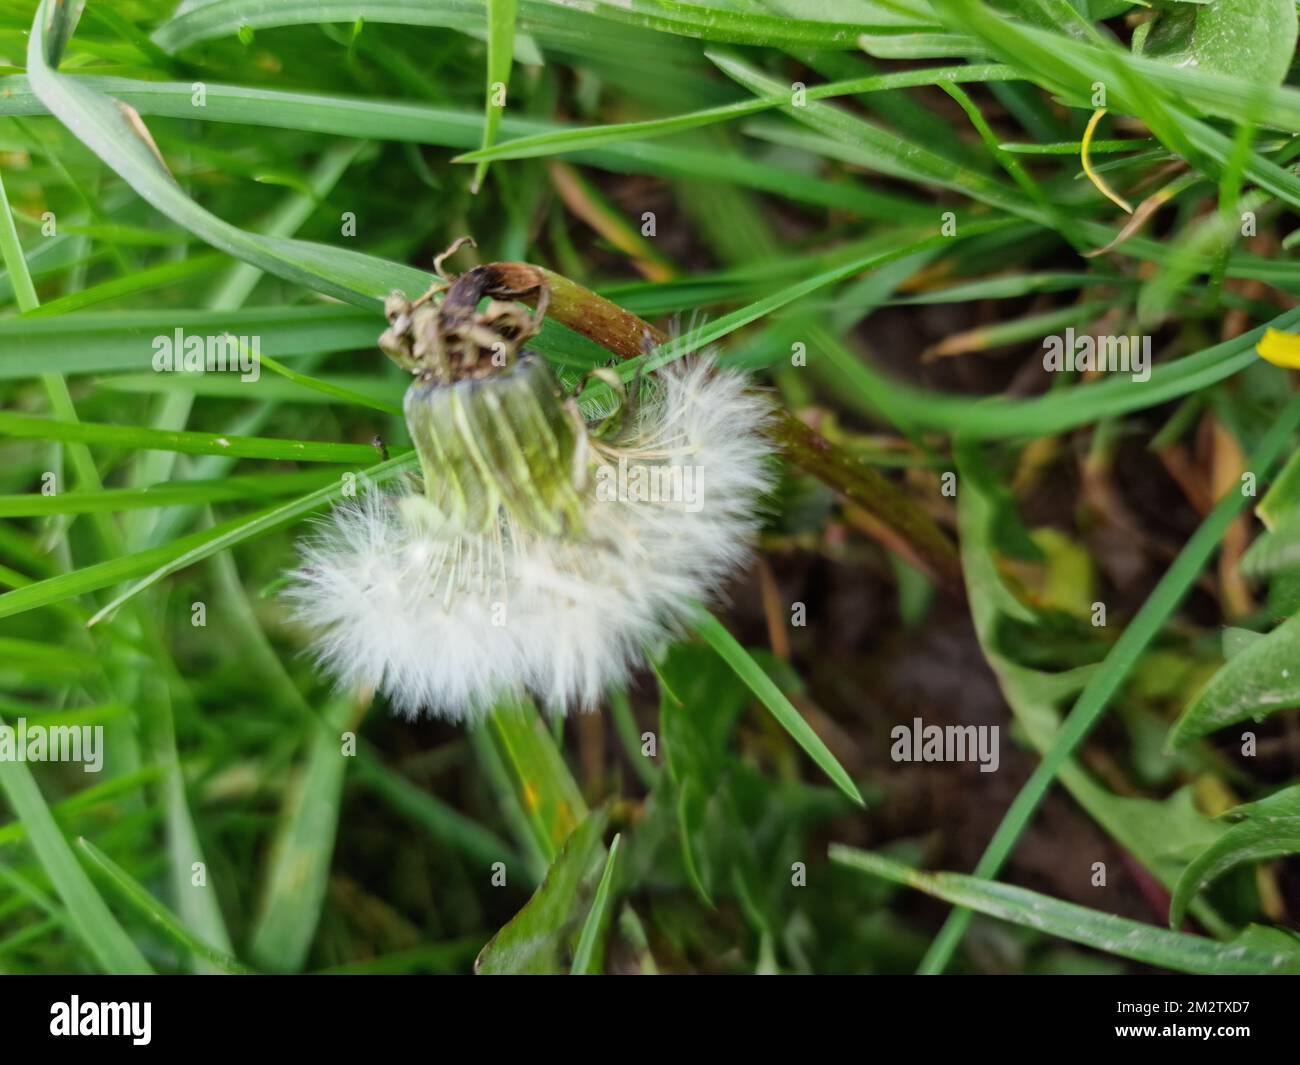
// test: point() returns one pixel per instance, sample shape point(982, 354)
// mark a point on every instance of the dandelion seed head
point(450, 623)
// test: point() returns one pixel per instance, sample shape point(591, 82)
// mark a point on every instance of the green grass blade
point(130, 437)
point(585, 958)
point(159, 562)
point(500, 49)
point(137, 896)
point(87, 913)
point(571, 140)
point(881, 150)
point(123, 144)
point(111, 341)
point(223, 18)
point(295, 886)
point(454, 128)
point(173, 493)
point(153, 277)
point(730, 651)
point(1102, 931)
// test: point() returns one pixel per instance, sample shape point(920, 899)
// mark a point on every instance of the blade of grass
point(106, 341)
point(328, 388)
point(160, 276)
point(1102, 931)
point(118, 137)
point(500, 50)
point(295, 886)
point(730, 651)
point(130, 437)
point(224, 18)
point(878, 149)
point(113, 500)
point(159, 562)
point(585, 960)
point(137, 896)
point(571, 140)
point(460, 129)
point(87, 913)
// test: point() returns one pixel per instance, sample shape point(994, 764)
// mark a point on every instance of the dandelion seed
point(406, 593)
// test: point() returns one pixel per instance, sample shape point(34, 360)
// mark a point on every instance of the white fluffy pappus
point(448, 625)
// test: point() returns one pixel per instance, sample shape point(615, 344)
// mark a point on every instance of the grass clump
point(886, 213)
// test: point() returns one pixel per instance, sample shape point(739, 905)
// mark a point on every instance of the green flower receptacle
point(507, 442)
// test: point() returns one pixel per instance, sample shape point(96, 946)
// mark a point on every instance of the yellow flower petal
point(1281, 349)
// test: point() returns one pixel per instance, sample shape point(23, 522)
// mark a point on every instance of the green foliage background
point(829, 177)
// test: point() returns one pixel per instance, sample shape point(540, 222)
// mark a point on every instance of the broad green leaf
point(1283, 496)
point(1269, 828)
point(1162, 835)
point(1275, 551)
point(1253, 40)
point(1260, 679)
point(1236, 640)
point(1091, 928)
point(543, 937)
